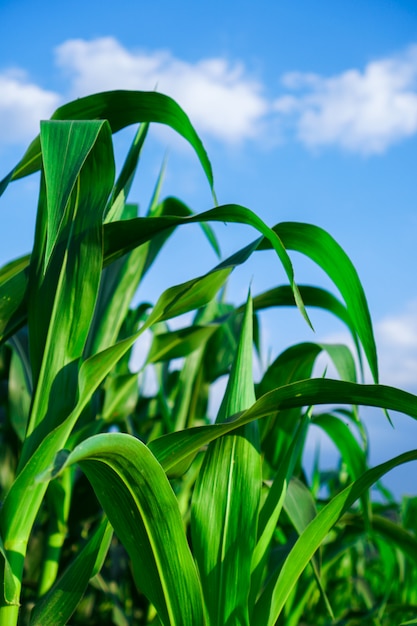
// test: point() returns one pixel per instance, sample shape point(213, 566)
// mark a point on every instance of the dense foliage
point(125, 505)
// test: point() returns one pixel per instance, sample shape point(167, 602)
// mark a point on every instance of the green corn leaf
point(272, 507)
point(279, 587)
point(350, 450)
point(20, 383)
point(175, 447)
point(174, 206)
point(190, 295)
point(342, 359)
point(59, 603)
point(13, 301)
point(178, 343)
point(138, 500)
point(192, 381)
point(65, 149)
point(226, 499)
point(120, 192)
point(300, 507)
point(312, 297)
point(297, 362)
point(127, 234)
point(175, 301)
point(319, 246)
point(121, 396)
point(294, 363)
point(121, 109)
point(65, 275)
point(123, 236)
point(11, 590)
point(14, 267)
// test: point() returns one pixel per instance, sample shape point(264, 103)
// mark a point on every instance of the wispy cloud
point(22, 105)
point(361, 110)
point(218, 96)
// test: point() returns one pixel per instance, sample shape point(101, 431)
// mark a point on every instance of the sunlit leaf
point(279, 587)
point(121, 109)
point(226, 498)
point(141, 506)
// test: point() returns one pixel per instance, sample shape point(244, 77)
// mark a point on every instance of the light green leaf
point(138, 500)
point(14, 267)
point(20, 383)
point(226, 498)
point(122, 236)
point(64, 285)
point(11, 590)
point(279, 587)
point(174, 447)
point(13, 301)
point(121, 109)
point(120, 192)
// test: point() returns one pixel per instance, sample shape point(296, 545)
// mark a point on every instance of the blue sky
point(308, 111)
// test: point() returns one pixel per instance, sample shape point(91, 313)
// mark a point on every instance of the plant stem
point(10, 600)
point(9, 615)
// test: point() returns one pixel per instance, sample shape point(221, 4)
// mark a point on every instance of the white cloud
point(359, 110)
point(218, 96)
point(22, 105)
point(363, 112)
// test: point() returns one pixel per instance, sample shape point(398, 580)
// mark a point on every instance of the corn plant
point(123, 506)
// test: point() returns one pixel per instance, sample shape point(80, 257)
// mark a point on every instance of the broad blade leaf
point(121, 109)
point(279, 587)
point(142, 508)
point(226, 499)
point(175, 447)
point(65, 274)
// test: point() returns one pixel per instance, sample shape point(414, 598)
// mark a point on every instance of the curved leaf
point(174, 448)
point(138, 500)
point(123, 236)
point(121, 109)
point(319, 246)
point(312, 296)
point(65, 271)
point(279, 587)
